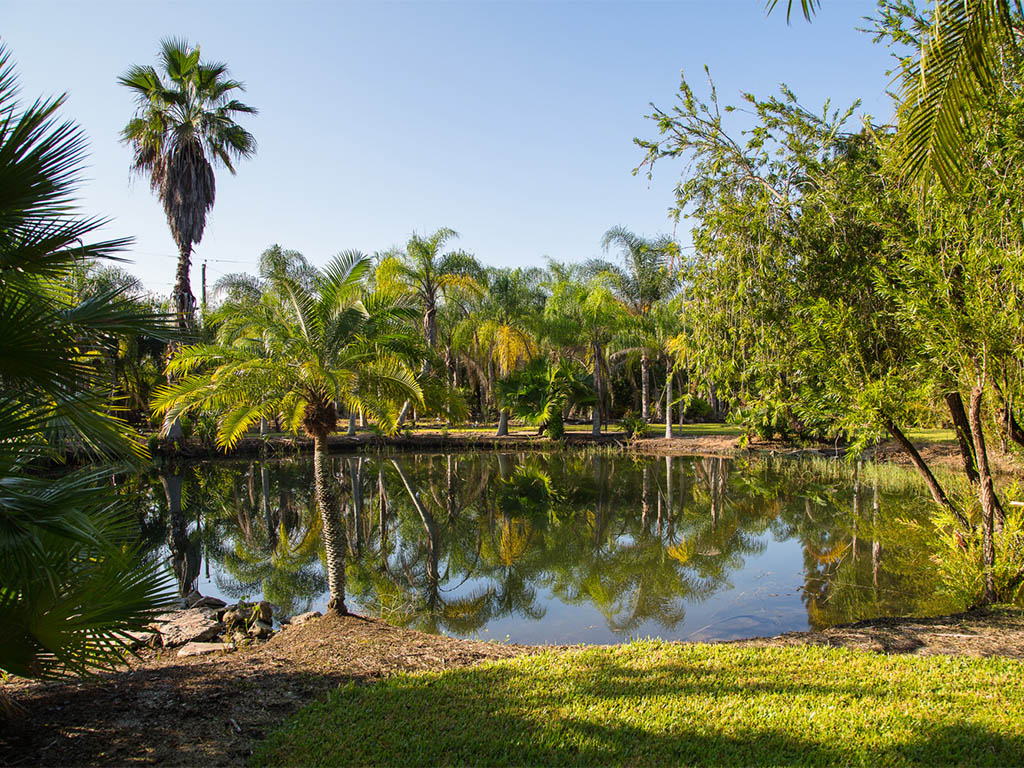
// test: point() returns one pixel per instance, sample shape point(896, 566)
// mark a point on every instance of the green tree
point(642, 280)
point(301, 351)
point(184, 124)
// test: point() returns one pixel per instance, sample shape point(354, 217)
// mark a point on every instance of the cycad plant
point(312, 340)
point(73, 580)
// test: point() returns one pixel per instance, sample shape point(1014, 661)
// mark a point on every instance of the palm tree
point(643, 279)
point(505, 323)
point(584, 315)
point(184, 125)
point(427, 273)
point(73, 580)
point(296, 354)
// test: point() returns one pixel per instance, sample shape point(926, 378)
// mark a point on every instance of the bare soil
point(212, 710)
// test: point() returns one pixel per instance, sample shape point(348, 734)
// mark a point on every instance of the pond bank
point(698, 440)
point(215, 709)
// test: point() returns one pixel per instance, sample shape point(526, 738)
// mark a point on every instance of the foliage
point(633, 424)
point(741, 706)
point(309, 341)
point(73, 582)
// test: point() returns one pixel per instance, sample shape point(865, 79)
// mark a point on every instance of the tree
point(428, 274)
point(958, 61)
point(582, 317)
point(184, 124)
point(642, 280)
point(73, 580)
point(301, 350)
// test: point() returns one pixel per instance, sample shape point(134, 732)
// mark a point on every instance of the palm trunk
point(645, 386)
point(351, 424)
point(503, 423)
point(668, 403)
point(334, 533)
point(597, 392)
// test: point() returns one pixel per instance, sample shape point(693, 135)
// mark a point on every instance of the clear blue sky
point(510, 122)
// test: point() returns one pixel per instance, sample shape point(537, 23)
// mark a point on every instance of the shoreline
point(182, 711)
point(937, 453)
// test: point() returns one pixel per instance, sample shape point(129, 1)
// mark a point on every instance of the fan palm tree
point(183, 125)
point(299, 351)
point(73, 581)
point(643, 279)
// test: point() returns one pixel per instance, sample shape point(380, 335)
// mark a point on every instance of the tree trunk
point(962, 428)
point(334, 533)
point(503, 423)
point(596, 431)
point(183, 563)
point(934, 488)
point(264, 427)
point(668, 404)
point(645, 387)
point(351, 424)
point(986, 495)
point(429, 525)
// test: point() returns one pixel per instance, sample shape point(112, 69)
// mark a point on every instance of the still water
point(556, 548)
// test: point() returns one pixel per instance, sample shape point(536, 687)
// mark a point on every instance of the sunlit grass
point(651, 703)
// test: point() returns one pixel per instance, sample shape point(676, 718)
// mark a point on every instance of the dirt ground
point(212, 710)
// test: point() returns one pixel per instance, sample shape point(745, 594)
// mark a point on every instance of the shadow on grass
point(603, 713)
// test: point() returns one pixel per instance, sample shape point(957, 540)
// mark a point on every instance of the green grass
point(931, 435)
point(651, 703)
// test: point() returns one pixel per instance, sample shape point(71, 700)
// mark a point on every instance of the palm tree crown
point(183, 125)
point(296, 346)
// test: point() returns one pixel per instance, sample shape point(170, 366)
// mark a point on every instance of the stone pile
point(203, 620)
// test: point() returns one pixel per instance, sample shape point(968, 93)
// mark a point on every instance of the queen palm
point(640, 281)
point(183, 125)
point(294, 355)
point(427, 273)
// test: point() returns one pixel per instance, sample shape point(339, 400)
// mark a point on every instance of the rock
point(302, 618)
point(209, 602)
point(240, 637)
point(136, 639)
point(188, 626)
point(202, 649)
point(192, 598)
point(265, 611)
point(261, 629)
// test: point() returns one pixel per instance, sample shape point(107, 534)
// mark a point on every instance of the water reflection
point(555, 548)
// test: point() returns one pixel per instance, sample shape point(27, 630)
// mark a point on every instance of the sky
point(509, 122)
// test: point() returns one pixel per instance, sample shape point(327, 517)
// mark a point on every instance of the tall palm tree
point(583, 315)
point(427, 273)
point(640, 281)
point(296, 354)
point(183, 125)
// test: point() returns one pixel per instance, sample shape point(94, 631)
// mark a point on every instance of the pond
point(558, 547)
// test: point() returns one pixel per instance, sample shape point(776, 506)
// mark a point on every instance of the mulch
point(213, 710)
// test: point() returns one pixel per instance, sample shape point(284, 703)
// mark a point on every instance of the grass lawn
point(652, 703)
